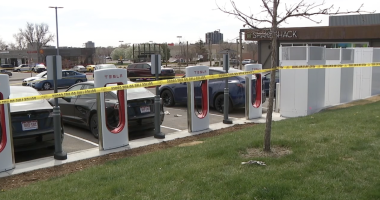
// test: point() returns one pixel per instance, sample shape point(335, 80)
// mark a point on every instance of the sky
point(106, 23)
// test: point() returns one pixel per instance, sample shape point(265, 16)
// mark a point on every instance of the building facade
point(342, 33)
point(70, 56)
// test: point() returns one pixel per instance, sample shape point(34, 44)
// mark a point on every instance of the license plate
point(144, 109)
point(29, 125)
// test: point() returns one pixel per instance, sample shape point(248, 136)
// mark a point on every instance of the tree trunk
point(268, 127)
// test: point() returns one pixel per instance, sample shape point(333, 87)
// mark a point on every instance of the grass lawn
point(330, 155)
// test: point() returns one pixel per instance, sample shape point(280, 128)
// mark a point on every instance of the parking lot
point(78, 139)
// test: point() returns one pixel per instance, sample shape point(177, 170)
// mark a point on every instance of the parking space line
point(170, 128)
point(81, 139)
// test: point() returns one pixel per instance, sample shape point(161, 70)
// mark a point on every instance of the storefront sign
point(269, 35)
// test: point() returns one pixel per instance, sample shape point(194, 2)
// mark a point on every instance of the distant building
point(89, 44)
point(215, 37)
point(70, 55)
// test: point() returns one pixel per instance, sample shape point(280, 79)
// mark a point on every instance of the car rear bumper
point(35, 141)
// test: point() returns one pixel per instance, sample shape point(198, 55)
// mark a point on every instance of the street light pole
point(59, 154)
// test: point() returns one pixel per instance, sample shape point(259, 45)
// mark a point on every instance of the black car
point(3, 71)
point(82, 110)
point(32, 121)
point(7, 66)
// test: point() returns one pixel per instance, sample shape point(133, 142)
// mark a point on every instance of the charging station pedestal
point(112, 137)
point(7, 160)
point(197, 120)
point(253, 98)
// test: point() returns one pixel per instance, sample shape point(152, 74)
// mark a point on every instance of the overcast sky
point(108, 22)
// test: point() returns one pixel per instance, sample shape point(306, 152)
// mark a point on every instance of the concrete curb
point(94, 152)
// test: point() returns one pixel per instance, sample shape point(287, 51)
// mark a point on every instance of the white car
point(28, 81)
point(79, 68)
point(39, 68)
point(246, 61)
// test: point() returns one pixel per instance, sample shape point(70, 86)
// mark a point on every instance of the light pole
point(179, 44)
point(121, 42)
point(59, 154)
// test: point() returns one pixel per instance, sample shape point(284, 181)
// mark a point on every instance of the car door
point(180, 92)
point(61, 82)
point(146, 70)
point(67, 106)
point(83, 105)
point(71, 78)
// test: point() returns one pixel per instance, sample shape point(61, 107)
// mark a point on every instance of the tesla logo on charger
point(113, 76)
point(200, 72)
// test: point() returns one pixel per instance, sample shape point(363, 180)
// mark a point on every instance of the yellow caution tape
point(130, 86)
point(177, 80)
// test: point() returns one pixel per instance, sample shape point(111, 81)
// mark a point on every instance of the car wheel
point(94, 125)
point(18, 70)
point(78, 81)
point(167, 98)
point(219, 104)
point(46, 86)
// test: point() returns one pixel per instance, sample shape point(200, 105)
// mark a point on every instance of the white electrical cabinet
point(338, 85)
point(363, 75)
point(302, 90)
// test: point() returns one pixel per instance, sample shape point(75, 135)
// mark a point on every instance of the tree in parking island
point(275, 13)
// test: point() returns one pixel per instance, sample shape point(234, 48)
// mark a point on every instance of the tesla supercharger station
point(112, 137)
point(7, 161)
point(197, 118)
point(253, 106)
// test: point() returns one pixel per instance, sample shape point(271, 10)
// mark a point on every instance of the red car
point(142, 70)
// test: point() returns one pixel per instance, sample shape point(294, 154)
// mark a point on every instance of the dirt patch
point(258, 152)
point(23, 179)
point(190, 143)
point(355, 103)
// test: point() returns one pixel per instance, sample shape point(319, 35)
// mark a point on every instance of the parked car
point(22, 68)
point(82, 110)
point(142, 70)
point(7, 66)
point(234, 62)
point(28, 81)
point(90, 68)
point(247, 61)
point(104, 66)
point(68, 79)
point(39, 68)
point(79, 68)
point(177, 93)
point(3, 71)
point(266, 81)
point(32, 121)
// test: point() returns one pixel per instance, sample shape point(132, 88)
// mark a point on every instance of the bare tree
point(36, 34)
point(20, 41)
point(3, 45)
point(274, 18)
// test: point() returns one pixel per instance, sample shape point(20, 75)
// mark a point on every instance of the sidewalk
point(94, 152)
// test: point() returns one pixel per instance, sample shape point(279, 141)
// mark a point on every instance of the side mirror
point(67, 99)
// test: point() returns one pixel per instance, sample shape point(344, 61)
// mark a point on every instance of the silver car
point(79, 68)
point(22, 68)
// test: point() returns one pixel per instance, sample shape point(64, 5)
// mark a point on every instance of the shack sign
point(267, 35)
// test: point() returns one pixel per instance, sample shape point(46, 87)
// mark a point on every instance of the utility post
point(209, 49)
point(241, 49)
